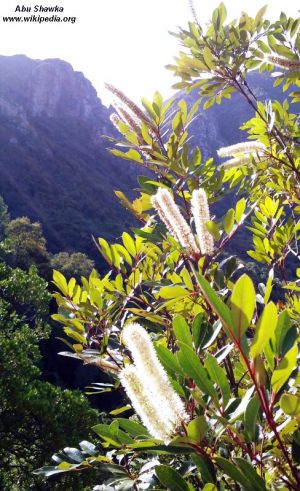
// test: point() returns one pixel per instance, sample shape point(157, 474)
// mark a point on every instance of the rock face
point(47, 88)
point(54, 166)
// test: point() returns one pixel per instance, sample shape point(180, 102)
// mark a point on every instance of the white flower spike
point(154, 380)
point(200, 210)
point(170, 214)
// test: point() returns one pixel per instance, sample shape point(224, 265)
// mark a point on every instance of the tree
point(76, 264)
point(26, 243)
point(207, 357)
point(35, 416)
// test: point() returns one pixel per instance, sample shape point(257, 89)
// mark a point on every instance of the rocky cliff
point(48, 88)
point(54, 166)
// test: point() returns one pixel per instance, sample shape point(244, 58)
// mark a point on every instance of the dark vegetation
point(41, 405)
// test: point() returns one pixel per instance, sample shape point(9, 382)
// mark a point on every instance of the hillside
point(54, 166)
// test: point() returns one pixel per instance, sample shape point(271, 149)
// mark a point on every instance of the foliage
point(35, 416)
point(76, 264)
point(26, 243)
point(229, 348)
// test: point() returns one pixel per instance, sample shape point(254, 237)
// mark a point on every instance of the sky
point(123, 42)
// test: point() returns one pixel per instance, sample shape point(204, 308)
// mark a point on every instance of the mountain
point(54, 166)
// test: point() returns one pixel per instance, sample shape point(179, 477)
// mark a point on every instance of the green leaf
point(174, 291)
point(218, 375)
point(260, 14)
point(129, 244)
point(250, 473)
point(241, 408)
point(205, 467)
point(250, 418)
point(269, 286)
point(193, 368)
point(148, 106)
point(198, 330)
point(50, 470)
point(120, 410)
point(233, 472)
point(210, 487)
point(215, 302)
point(239, 210)
point(167, 358)
point(281, 331)
point(213, 228)
point(208, 57)
point(170, 478)
point(222, 13)
point(290, 404)
point(228, 222)
point(60, 282)
point(105, 250)
point(104, 432)
point(264, 330)
point(182, 330)
point(197, 429)
point(284, 369)
point(151, 446)
point(130, 155)
point(132, 427)
point(243, 302)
